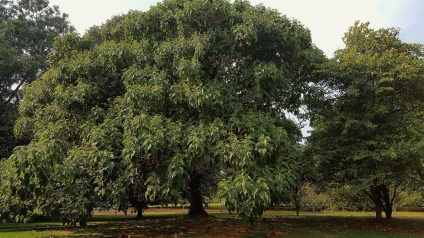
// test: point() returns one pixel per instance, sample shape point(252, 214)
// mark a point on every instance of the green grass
point(409, 214)
point(344, 214)
point(326, 213)
point(345, 232)
point(28, 225)
point(33, 234)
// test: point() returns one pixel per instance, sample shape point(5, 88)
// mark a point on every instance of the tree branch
point(368, 194)
point(14, 92)
point(397, 185)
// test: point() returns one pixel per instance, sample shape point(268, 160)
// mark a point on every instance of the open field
point(166, 222)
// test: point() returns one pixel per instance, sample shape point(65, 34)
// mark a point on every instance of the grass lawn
point(174, 223)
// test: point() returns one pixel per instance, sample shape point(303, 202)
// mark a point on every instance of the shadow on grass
point(279, 226)
point(179, 225)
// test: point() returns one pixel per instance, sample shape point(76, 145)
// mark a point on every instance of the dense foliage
point(188, 95)
point(369, 126)
point(27, 31)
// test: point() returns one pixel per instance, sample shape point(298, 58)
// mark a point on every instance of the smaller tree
point(410, 199)
point(347, 198)
point(314, 198)
point(370, 133)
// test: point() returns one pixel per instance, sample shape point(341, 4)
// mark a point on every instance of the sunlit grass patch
point(35, 233)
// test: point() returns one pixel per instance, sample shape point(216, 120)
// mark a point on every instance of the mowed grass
point(33, 234)
point(173, 223)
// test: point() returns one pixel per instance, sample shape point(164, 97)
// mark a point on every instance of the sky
point(327, 20)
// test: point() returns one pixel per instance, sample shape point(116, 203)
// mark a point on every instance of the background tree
point(313, 198)
point(369, 132)
point(305, 170)
point(410, 200)
point(27, 31)
point(164, 99)
point(347, 198)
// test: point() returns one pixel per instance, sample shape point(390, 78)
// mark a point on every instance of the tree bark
point(388, 213)
point(376, 196)
point(139, 209)
point(378, 211)
point(136, 203)
point(387, 202)
point(196, 203)
point(83, 222)
point(296, 199)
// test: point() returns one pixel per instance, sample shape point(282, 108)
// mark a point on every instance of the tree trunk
point(387, 202)
point(296, 199)
point(139, 208)
point(378, 211)
point(83, 222)
point(136, 203)
point(271, 203)
point(388, 213)
point(376, 195)
point(196, 204)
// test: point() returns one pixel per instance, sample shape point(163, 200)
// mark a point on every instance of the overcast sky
point(328, 20)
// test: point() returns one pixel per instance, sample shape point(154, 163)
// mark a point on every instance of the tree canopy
point(368, 131)
point(153, 102)
point(27, 31)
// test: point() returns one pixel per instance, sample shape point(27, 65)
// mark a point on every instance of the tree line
point(190, 99)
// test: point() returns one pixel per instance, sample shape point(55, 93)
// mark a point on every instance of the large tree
point(156, 101)
point(369, 131)
point(27, 31)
